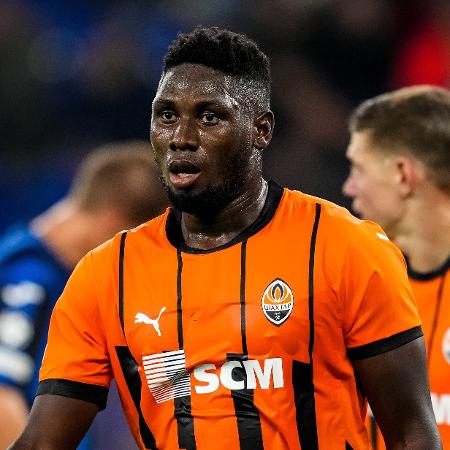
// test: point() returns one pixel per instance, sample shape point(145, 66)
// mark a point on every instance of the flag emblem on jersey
point(277, 302)
point(166, 375)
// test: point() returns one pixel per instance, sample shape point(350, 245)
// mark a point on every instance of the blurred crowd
point(76, 74)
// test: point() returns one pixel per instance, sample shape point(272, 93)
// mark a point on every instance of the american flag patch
point(166, 375)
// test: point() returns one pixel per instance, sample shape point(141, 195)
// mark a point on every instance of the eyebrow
point(200, 105)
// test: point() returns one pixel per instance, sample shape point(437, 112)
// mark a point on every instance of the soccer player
point(400, 177)
point(116, 187)
point(247, 316)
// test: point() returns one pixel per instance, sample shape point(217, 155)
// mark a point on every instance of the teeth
point(183, 175)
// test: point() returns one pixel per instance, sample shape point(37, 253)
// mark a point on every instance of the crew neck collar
point(175, 235)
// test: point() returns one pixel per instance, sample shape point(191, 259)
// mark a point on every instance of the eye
point(209, 118)
point(168, 116)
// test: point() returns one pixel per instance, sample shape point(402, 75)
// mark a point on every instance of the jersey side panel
point(151, 327)
point(433, 298)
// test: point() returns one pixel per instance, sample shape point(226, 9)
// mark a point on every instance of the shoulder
point(332, 217)
point(339, 232)
point(109, 252)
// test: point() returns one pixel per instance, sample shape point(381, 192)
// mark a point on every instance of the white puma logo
point(142, 318)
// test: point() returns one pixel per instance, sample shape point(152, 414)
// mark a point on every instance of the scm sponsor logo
point(441, 407)
point(255, 375)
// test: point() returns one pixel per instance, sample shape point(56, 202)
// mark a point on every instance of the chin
point(205, 202)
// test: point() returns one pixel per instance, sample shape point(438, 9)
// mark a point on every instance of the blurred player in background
point(116, 187)
point(400, 177)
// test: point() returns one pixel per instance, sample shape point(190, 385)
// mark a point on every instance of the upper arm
point(76, 361)
point(396, 385)
point(56, 422)
point(381, 328)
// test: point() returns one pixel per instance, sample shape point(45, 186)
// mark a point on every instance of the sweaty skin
point(197, 118)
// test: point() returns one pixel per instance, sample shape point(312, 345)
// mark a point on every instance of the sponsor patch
point(166, 375)
point(277, 302)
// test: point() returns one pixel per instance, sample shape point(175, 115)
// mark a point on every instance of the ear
point(263, 130)
point(410, 173)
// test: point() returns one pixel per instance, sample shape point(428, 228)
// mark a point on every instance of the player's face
point(372, 182)
point(201, 134)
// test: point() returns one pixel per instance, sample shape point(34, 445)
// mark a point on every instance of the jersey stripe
point(242, 297)
point(130, 372)
point(302, 373)
point(312, 250)
point(121, 258)
point(182, 405)
point(127, 363)
point(179, 298)
point(435, 320)
point(373, 433)
point(247, 415)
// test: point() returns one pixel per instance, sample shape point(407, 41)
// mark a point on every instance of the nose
point(185, 136)
point(348, 188)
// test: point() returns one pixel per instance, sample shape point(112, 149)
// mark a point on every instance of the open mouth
point(182, 173)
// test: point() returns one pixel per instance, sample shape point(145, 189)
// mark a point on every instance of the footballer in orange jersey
point(400, 178)
point(247, 316)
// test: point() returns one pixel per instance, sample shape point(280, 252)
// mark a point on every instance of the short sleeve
point(76, 362)
point(379, 312)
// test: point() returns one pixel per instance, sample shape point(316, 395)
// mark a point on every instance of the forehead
point(361, 144)
point(196, 82)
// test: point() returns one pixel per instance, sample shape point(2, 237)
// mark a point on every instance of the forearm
point(51, 424)
point(13, 415)
point(419, 435)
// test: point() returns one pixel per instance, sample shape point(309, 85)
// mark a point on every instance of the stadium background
point(75, 74)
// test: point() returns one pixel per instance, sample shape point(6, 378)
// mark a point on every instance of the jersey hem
point(385, 345)
point(74, 389)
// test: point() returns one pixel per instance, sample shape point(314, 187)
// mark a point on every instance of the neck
point(424, 234)
point(228, 223)
point(62, 228)
point(70, 231)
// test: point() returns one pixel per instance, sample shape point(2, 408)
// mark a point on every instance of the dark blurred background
point(75, 74)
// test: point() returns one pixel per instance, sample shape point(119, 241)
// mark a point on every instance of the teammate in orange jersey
point(247, 316)
point(400, 177)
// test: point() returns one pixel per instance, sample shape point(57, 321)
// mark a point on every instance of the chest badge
point(277, 302)
point(446, 346)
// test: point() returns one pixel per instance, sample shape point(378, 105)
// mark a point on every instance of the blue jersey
point(31, 280)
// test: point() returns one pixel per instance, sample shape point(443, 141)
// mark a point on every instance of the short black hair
point(231, 53)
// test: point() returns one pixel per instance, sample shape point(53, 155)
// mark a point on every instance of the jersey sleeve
point(379, 312)
point(76, 362)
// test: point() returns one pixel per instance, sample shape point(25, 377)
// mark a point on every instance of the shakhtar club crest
point(277, 302)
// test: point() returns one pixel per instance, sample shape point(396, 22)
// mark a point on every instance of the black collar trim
point(426, 276)
point(175, 235)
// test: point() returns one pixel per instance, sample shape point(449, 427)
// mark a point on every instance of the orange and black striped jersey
point(432, 293)
point(245, 346)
